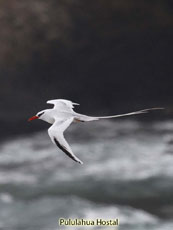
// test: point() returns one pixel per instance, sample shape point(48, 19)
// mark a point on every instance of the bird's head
point(39, 115)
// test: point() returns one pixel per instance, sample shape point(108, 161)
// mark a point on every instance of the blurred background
point(112, 57)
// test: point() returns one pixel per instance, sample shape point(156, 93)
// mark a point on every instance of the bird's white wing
point(56, 134)
point(62, 104)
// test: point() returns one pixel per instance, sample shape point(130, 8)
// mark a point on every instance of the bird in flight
point(62, 115)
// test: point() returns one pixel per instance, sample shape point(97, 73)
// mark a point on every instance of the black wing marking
point(65, 150)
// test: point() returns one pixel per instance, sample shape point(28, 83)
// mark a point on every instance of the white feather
point(62, 115)
point(56, 134)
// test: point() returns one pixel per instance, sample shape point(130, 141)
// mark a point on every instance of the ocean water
point(127, 174)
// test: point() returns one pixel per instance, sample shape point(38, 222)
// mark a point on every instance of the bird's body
point(62, 115)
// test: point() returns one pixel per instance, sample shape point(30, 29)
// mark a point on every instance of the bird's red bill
point(33, 118)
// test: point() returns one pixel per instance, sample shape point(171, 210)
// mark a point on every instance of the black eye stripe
point(40, 114)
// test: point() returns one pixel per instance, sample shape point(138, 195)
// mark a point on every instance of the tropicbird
point(62, 115)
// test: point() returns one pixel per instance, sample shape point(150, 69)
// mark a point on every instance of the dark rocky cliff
point(109, 56)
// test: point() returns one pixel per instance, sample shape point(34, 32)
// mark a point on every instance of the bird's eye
point(40, 114)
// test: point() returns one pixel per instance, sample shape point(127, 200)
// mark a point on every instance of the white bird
point(62, 115)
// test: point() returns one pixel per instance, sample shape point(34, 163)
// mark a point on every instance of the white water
point(127, 174)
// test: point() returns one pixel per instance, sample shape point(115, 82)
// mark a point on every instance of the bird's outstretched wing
point(62, 104)
point(56, 134)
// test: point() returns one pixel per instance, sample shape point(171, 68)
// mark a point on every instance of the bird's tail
point(84, 118)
